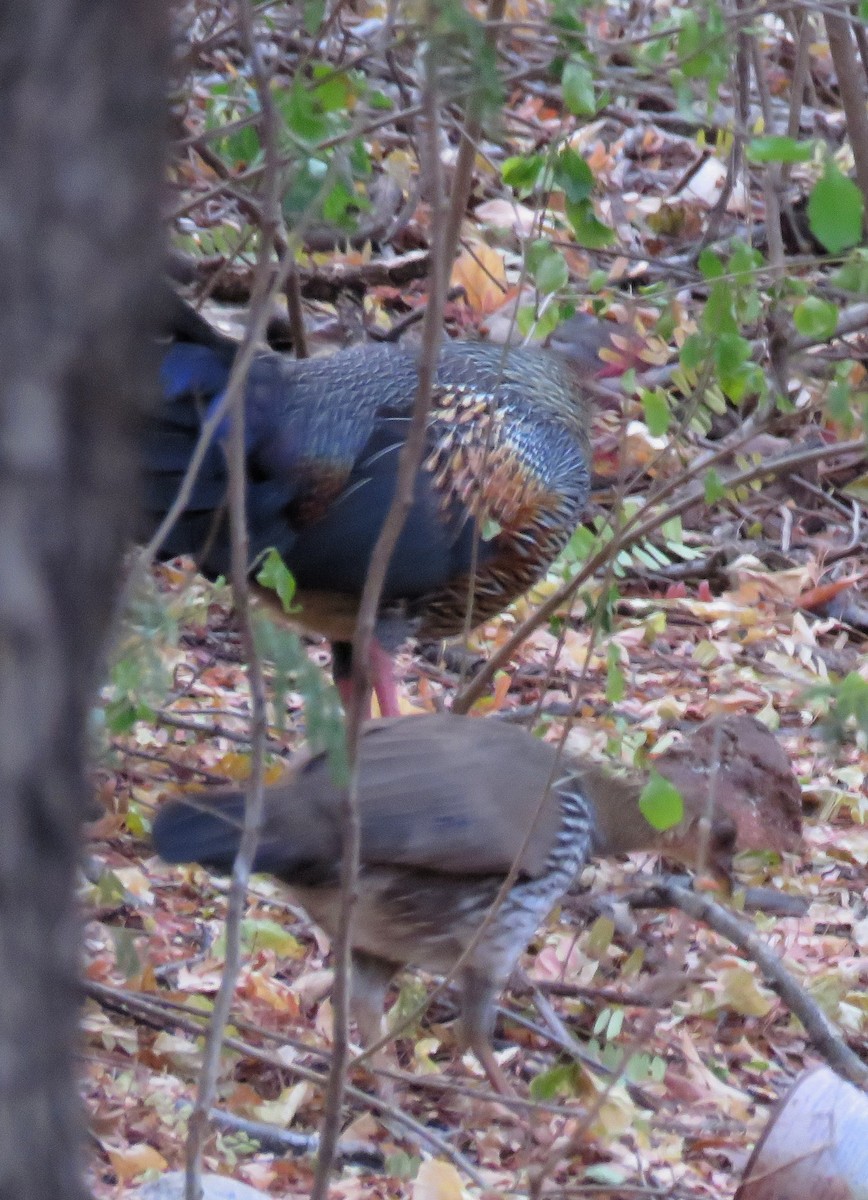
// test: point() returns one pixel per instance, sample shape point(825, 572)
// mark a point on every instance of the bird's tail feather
point(302, 852)
point(185, 833)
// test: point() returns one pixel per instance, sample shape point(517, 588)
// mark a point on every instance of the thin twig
point(825, 1037)
point(632, 532)
point(851, 85)
point(408, 464)
point(150, 1009)
point(240, 563)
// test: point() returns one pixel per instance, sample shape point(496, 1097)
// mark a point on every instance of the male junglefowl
point(503, 481)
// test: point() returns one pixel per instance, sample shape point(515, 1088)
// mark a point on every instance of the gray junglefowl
point(447, 805)
point(503, 482)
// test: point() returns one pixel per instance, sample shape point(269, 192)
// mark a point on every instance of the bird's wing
point(453, 795)
point(449, 795)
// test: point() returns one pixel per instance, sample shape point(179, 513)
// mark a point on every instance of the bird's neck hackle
point(620, 826)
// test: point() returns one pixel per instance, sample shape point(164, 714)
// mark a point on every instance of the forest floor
point(751, 605)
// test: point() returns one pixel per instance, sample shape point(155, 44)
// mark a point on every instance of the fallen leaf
point(437, 1180)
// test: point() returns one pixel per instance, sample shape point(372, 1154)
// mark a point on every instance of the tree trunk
point(81, 131)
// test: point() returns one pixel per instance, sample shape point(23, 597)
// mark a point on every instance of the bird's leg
point(371, 979)
point(342, 673)
point(477, 1025)
point(383, 680)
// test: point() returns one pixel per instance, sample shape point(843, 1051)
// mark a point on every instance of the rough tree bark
point(81, 98)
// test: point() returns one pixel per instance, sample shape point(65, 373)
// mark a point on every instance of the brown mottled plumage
point(448, 805)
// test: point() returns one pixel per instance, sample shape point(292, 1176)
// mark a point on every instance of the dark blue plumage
point(506, 466)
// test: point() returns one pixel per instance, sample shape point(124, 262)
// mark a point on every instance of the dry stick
point(801, 78)
point(408, 464)
point(632, 532)
point(471, 132)
point(213, 729)
point(253, 211)
point(623, 484)
point(671, 982)
point(776, 321)
point(477, 537)
point(162, 1013)
point(735, 161)
point(851, 85)
point(461, 187)
point(496, 903)
point(511, 876)
point(254, 803)
point(861, 38)
point(240, 560)
point(771, 176)
point(104, 994)
point(819, 1028)
point(620, 539)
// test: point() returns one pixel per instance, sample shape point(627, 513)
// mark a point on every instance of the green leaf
point(293, 670)
point(661, 804)
point(577, 85)
point(731, 352)
point(710, 264)
point(655, 405)
point(816, 318)
point(835, 210)
point(693, 42)
point(779, 149)
point(694, 352)
point(243, 146)
point(336, 204)
point(853, 274)
point(718, 317)
point(608, 1174)
point(275, 574)
point(126, 955)
point(548, 268)
point(573, 176)
point(303, 116)
point(334, 93)
point(109, 890)
point(590, 232)
point(136, 822)
point(714, 489)
point(313, 13)
point(561, 1080)
point(402, 1165)
point(743, 262)
point(615, 682)
point(672, 529)
point(599, 938)
point(522, 173)
point(261, 933)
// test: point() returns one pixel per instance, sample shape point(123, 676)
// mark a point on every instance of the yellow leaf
point(177, 1050)
point(483, 277)
point(437, 1180)
point(131, 1161)
point(273, 993)
point(741, 993)
point(282, 1110)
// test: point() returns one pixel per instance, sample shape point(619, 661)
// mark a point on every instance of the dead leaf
point(438, 1180)
point(128, 1162)
point(481, 273)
